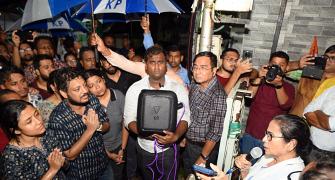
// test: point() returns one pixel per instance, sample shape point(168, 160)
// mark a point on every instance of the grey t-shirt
point(114, 111)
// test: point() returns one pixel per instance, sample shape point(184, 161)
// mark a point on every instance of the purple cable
point(155, 161)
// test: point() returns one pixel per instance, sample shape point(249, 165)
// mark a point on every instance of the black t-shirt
point(125, 81)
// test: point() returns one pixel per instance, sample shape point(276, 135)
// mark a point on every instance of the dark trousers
point(131, 161)
point(165, 158)
point(192, 153)
point(108, 174)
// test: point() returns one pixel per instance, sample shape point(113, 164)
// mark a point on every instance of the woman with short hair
point(286, 144)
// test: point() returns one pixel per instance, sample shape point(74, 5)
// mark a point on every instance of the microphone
point(255, 153)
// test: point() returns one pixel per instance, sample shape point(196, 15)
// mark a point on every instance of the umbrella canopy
point(59, 24)
point(130, 6)
point(36, 10)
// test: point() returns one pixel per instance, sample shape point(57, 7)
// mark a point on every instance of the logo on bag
point(155, 111)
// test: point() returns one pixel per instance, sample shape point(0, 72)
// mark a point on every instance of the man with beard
point(116, 78)
point(78, 122)
point(12, 78)
point(232, 68)
point(43, 66)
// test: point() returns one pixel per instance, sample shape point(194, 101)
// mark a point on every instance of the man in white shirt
point(320, 114)
point(156, 67)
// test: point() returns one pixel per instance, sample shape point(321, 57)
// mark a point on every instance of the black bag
point(156, 111)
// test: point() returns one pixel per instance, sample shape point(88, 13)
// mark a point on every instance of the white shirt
point(279, 171)
point(130, 109)
point(323, 139)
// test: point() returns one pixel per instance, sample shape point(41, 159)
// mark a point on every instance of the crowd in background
point(75, 115)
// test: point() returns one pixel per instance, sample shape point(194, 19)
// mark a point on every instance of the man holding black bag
point(157, 147)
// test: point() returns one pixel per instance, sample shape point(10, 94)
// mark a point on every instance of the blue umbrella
point(36, 10)
point(60, 24)
point(130, 6)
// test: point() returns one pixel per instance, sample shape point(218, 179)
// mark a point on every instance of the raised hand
point(91, 120)
point(95, 40)
point(145, 23)
point(305, 60)
point(243, 66)
point(16, 39)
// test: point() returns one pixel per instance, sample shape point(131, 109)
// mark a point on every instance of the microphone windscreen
point(255, 153)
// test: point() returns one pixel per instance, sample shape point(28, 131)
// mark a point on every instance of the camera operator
point(271, 96)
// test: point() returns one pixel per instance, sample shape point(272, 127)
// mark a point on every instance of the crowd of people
point(75, 116)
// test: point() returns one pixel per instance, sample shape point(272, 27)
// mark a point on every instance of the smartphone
point(203, 170)
point(25, 35)
point(247, 55)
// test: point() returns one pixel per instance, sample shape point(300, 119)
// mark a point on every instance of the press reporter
point(286, 144)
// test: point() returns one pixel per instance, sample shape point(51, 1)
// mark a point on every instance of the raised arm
point(118, 60)
point(125, 64)
point(16, 54)
point(147, 38)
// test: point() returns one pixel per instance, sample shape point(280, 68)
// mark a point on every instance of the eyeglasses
point(330, 58)
point(269, 136)
point(201, 68)
point(23, 50)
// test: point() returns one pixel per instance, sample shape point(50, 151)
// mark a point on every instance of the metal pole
point(206, 27)
point(278, 25)
point(92, 16)
point(96, 53)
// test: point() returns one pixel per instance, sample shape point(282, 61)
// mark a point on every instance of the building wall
point(303, 20)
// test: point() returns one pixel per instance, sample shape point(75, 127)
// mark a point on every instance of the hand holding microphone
point(243, 161)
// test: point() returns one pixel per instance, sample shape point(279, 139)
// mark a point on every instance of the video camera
point(273, 71)
point(315, 71)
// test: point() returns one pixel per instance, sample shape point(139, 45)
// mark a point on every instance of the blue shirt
point(147, 40)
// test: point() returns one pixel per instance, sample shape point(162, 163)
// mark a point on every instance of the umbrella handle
point(92, 16)
point(96, 54)
point(145, 7)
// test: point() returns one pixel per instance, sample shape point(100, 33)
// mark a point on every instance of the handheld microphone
point(255, 153)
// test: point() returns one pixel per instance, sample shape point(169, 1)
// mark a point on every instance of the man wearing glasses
point(23, 56)
point(232, 68)
point(208, 106)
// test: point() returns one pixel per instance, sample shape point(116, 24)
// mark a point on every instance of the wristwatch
point(100, 127)
point(204, 157)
